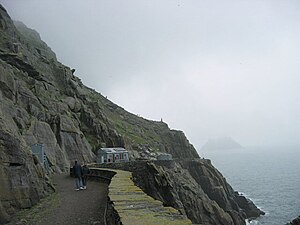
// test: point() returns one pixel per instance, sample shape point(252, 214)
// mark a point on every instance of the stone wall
point(194, 187)
point(129, 205)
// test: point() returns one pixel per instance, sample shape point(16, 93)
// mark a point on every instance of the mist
point(209, 68)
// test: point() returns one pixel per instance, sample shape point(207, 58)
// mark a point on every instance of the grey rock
point(41, 132)
point(295, 221)
point(22, 182)
point(175, 184)
point(43, 102)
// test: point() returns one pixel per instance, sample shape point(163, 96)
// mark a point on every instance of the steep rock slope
point(43, 102)
point(53, 107)
point(22, 179)
point(194, 187)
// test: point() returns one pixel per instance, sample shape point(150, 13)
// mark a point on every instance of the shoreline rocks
point(295, 221)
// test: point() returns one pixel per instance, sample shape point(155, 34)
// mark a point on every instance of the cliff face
point(43, 102)
point(22, 180)
point(199, 189)
point(216, 187)
point(175, 187)
point(50, 105)
point(194, 187)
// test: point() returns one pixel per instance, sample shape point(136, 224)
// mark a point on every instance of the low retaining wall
point(129, 205)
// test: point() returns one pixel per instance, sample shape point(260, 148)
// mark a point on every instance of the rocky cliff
point(42, 101)
point(194, 187)
point(50, 105)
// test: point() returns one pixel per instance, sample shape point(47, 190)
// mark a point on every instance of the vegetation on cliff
point(42, 101)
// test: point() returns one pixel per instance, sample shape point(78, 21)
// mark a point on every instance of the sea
point(270, 177)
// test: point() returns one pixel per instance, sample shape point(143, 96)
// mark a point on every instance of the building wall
point(104, 157)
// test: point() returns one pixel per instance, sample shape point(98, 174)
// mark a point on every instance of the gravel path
point(77, 207)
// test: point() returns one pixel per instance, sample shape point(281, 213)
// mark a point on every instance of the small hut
point(112, 155)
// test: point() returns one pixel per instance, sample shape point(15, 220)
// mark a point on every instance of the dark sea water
point(270, 177)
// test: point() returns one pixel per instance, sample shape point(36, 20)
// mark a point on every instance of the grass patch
point(35, 214)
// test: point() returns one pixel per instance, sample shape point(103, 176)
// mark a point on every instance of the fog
point(209, 68)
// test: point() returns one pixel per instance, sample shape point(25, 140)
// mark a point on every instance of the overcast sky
point(209, 68)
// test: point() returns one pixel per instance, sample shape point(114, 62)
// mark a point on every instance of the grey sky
point(209, 68)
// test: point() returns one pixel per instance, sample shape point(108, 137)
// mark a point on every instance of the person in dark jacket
point(77, 171)
point(85, 172)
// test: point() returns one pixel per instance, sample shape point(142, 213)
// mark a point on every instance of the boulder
point(295, 221)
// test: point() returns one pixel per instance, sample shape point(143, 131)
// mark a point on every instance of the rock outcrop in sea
point(295, 221)
point(42, 101)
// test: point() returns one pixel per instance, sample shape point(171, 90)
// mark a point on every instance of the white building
point(111, 155)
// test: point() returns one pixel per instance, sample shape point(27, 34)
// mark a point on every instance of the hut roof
point(113, 150)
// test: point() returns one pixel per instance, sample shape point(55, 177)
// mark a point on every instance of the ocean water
point(270, 177)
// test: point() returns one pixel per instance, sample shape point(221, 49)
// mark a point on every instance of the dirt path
point(76, 207)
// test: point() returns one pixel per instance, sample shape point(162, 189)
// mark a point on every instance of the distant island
point(223, 143)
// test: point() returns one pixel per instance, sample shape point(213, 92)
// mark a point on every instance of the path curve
point(77, 207)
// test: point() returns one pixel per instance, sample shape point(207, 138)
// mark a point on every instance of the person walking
point(85, 172)
point(77, 171)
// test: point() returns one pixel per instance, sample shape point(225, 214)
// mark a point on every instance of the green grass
point(35, 214)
